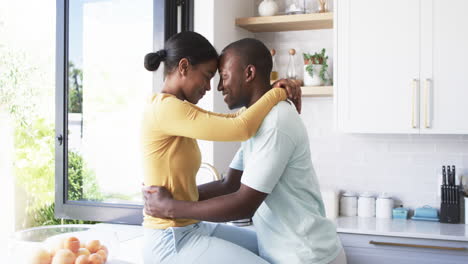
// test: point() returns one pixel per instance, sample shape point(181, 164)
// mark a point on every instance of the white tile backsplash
point(406, 166)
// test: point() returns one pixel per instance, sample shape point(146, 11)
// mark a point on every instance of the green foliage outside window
point(75, 82)
point(21, 96)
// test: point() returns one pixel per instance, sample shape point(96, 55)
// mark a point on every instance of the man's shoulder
point(281, 116)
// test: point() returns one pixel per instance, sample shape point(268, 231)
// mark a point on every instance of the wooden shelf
point(317, 91)
point(286, 22)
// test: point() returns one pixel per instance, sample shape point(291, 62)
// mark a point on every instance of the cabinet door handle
point(415, 245)
point(427, 98)
point(415, 104)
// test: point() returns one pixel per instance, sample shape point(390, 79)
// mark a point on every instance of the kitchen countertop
point(402, 228)
point(131, 237)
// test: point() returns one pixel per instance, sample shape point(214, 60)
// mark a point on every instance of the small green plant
point(316, 59)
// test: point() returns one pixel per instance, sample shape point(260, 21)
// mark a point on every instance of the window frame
point(164, 26)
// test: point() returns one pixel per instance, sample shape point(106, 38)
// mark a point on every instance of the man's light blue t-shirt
point(291, 225)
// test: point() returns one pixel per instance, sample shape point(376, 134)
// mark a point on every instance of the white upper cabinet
point(399, 66)
point(444, 67)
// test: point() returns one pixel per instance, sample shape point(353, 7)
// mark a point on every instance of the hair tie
point(162, 54)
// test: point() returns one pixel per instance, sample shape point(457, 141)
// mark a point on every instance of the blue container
point(400, 213)
point(425, 213)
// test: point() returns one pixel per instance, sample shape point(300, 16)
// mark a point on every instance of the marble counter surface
point(402, 228)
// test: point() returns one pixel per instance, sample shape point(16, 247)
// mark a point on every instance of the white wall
point(215, 20)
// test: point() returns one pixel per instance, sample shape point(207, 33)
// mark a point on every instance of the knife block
point(450, 212)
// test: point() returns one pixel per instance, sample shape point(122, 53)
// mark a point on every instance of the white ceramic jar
point(384, 206)
point(348, 204)
point(330, 201)
point(315, 79)
point(267, 8)
point(366, 205)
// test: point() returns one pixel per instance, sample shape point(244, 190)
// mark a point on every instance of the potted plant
point(315, 68)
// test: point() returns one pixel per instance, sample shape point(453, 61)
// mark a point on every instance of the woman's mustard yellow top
point(171, 157)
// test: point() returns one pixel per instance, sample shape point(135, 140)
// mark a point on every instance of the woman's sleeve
point(178, 118)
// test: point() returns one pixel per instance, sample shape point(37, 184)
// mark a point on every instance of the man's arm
point(237, 205)
point(229, 184)
point(258, 180)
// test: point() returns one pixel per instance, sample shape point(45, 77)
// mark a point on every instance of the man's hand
point(157, 201)
point(293, 87)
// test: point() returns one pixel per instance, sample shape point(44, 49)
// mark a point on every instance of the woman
point(171, 125)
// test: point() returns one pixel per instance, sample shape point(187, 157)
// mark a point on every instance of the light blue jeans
point(204, 242)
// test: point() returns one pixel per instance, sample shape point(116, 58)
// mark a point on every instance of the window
point(101, 85)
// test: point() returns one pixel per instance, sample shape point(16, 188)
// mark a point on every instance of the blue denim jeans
point(204, 242)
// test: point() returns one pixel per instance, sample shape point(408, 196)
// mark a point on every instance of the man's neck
point(259, 89)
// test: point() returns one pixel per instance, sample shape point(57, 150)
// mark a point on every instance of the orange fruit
point(95, 259)
point(83, 259)
point(64, 256)
point(93, 246)
point(41, 256)
point(55, 245)
point(72, 243)
point(105, 249)
point(83, 251)
point(103, 254)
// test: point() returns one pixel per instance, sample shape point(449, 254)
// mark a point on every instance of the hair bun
point(162, 54)
point(153, 59)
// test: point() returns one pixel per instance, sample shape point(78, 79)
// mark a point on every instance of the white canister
point(348, 204)
point(330, 201)
point(366, 205)
point(384, 206)
point(267, 8)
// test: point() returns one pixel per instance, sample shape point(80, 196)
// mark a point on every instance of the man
point(271, 177)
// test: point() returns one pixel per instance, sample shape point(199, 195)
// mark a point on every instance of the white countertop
point(131, 237)
point(402, 228)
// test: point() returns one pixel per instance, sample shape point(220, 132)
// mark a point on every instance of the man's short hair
point(254, 52)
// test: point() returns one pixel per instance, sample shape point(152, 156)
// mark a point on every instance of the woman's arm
point(178, 118)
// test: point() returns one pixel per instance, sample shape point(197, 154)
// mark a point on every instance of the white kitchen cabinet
point(399, 66)
point(444, 71)
point(370, 249)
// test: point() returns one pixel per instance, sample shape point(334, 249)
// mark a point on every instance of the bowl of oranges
point(65, 244)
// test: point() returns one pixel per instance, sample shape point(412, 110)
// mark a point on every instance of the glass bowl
point(23, 244)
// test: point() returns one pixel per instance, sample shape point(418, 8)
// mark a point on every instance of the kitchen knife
point(449, 175)
point(444, 176)
point(454, 176)
point(444, 199)
point(444, 185)
point(455, 186)
point(452, 186)
point(449, 193)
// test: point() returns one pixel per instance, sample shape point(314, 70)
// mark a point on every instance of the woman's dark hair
point(190, 45)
